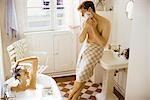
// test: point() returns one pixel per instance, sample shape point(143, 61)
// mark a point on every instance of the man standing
point(94, 36)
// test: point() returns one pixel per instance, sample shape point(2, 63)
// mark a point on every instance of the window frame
point(53, 19)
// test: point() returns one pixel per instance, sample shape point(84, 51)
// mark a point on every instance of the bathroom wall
point(138, 69)
point(121, 25)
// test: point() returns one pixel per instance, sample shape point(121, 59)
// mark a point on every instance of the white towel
point(11, 20)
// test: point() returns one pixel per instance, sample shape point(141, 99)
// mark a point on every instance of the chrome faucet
point(118, 50)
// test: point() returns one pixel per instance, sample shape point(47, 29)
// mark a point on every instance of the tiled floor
point(88, 92)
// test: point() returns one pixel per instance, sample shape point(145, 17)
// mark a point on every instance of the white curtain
point(11, 20)
point(73, 16)
point(17, 18)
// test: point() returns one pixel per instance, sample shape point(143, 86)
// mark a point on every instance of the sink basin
point(111, 60)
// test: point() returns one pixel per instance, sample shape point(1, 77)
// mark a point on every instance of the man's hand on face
point(90, 10)
point(91, 22)
point(94, 23)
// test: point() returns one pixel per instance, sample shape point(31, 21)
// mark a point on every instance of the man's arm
point(106, 32)
point(83, 33)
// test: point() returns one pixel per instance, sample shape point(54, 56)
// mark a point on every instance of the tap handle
point(119, 46)
point(109, 46)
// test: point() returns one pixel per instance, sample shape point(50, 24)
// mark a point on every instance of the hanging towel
point(11, 20)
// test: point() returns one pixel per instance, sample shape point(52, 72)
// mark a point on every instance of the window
point(45, 15)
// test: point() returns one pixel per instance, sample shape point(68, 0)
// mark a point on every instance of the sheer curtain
point(14, 18)
point(20, 12)
point(11, 20)
point(73, 17)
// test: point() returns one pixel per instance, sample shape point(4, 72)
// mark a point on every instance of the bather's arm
point(83, 33)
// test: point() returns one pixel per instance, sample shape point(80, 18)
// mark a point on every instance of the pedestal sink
point(110, 62)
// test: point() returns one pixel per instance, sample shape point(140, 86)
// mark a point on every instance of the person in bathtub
point(94, 36)
point(22, 74)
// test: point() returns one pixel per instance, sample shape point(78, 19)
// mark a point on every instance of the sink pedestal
point(110, 62)
point(107, 87)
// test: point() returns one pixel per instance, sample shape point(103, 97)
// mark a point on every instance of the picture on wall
point(103, 5)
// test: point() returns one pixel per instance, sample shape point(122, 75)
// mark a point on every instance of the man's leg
point(76, 87)
point(76, 95)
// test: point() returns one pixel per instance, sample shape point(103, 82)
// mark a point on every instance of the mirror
point(129, 9)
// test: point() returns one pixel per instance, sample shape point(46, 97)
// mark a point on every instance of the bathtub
point(46, 89)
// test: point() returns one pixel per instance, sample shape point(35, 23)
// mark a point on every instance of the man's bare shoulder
point(103, 20)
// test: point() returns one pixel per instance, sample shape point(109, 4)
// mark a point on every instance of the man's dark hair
point(86, 5)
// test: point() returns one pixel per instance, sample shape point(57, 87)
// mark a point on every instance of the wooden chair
point(19, 49)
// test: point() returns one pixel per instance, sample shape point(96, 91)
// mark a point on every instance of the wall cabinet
point(61, 47)
point(63, 52)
